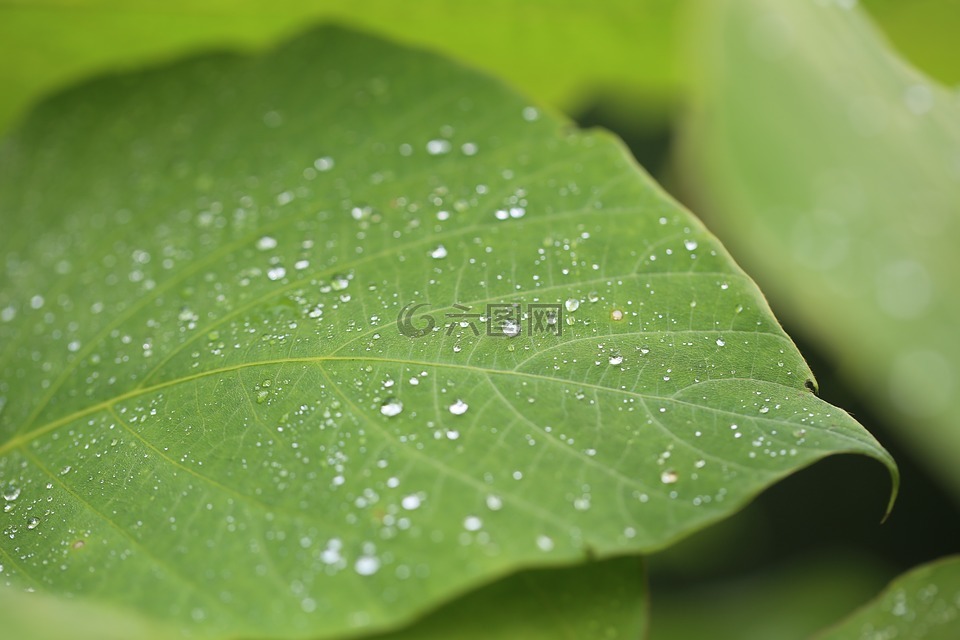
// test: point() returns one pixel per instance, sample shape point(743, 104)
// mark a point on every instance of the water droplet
point(439, 252)
point(11, 493)
point(616, 359)
point(494, 503)
point(339, 283)
point(276, 273)
point(391, 407)
point(517, 212)
point(690, 244)
point(593, 296)
point(510, 328)
point(323, 164)
point(410, 502)
point(720, 342)
point(438, 147)
point(501, 214)
point(616, 315)
point(266, 243)
point(572, 304)
point(33, 523)
point(544, 543)
point(472, 523)
point(459, 407)
point(669, 476)
point(530, 114)
point(367, 565)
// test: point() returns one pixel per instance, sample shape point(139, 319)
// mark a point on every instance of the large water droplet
point(459, 407)
point(572, 304)
point(616, 359)
point(391, 407)
point(11, 493)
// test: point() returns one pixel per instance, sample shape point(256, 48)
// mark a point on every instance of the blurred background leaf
point(555, 51)
point(921, 605)
point(832, 169)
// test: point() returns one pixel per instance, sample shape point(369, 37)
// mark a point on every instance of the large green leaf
point(923, 604)
point(555, 50)
point(604, 599)
point(211, 416)
point(833, 169)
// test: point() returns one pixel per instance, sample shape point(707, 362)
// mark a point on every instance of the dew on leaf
point(472, 523)
point(439, 252)
point(266, 243)
point(571, 305)
point(410, 502)
point(391, 407)
point(323, 164)
point(33, 523)
point(367, 565)
point(459, 407)
point(669, 476)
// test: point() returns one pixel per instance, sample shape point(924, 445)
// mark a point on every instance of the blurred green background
point(819, 139)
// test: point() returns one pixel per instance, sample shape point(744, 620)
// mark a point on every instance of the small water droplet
point(266, 243)
point(410, 502)
point(11, 493)
point(276, 273)
point(616, 359)
point(438, 147)
point(367, 565)
point(510, 328)
point(439, 252)
point(459, 407)
point(472, 523)
point(323, 164)
point(572, 304)
point(669, 476)
point(33, 523)
point(720, 342)
point(391, 407)
point(494, 503)
point(544, 543)
point(616, 315)
point(690, 244)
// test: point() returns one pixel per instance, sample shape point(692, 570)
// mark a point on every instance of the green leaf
point(923, 604)
point(212, 417)
point(833, 170)
point(599, 599)
point(556, 51)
